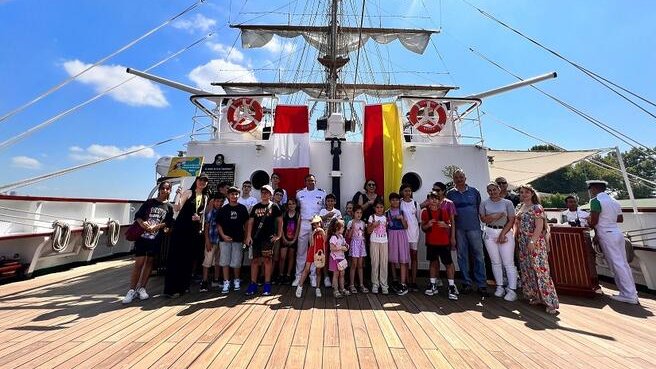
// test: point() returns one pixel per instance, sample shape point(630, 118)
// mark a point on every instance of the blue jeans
point(471, 243)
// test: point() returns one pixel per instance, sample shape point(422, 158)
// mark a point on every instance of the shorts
point(257, 247)
point(443, 253)
point(293, 246)
point(231, 254)
point(413, 245)
point(211, 257)
point(147, 247)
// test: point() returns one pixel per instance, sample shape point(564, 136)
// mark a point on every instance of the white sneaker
point(511, 295)
point(500, 291)
point(226, 287)
point(236, 284)
point(628, 300)
point(143, 295)
point(317, 292)
point(327, 282)
point(297, 280)
point(313, 280)
point(299, 291)
point(129, 296)
point(374, 289)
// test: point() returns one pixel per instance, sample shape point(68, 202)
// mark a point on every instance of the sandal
point(353, 289)
point(364, 289)
point(346, 292)
point(552, 311)
point(337, 294)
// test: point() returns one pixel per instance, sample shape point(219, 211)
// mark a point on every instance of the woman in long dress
point(187, 239)
point(530, 223)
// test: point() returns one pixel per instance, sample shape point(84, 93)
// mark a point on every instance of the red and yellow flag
point(382, 147)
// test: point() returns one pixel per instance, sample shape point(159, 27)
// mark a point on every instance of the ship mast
point(332, 66)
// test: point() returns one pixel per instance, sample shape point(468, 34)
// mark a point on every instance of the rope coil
point(90, 235)
point(113, 232)
point(60, 236)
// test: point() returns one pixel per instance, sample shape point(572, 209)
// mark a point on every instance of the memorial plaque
point(219, 171)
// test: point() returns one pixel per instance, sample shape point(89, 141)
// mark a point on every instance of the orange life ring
point(428, 116)
point(244, 114)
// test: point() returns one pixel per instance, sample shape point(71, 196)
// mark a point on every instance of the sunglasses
point(437, 189)
point(502, 183)
point(371, 184)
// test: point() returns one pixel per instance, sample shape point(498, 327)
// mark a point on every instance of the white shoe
point(317, 292)
point(620, 298)
point(299, 291)
point(297, 280)
point(143, 295)
point(500, 291)
point(374, 289)
point(129, 296)
point(313, 280)
point(511, 295)
point(327, 282)
point(236, 284)
point(226, 287)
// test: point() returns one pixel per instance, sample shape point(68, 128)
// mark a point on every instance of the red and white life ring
point(428, 116)
point(244, 114)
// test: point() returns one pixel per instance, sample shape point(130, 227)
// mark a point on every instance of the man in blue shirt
point(469, 238)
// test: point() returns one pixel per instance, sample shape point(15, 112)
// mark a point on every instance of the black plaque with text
point(218, 172)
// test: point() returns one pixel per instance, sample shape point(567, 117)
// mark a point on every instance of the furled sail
point(414, 40)
point(318, 90)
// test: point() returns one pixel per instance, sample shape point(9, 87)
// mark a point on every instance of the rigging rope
point(40, 214)
point(19, 137)
point(30, 181)
point(72, 78)
point(605, 127)
point(357, 55)
point(601, 80)
point(60, 236)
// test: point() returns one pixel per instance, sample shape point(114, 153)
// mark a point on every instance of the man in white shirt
point(605, 213)
point(573, 215)
point(246, 199)
point(311, 200)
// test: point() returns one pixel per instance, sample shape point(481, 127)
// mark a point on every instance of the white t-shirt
point(412, 214)
point(380, 232)
point(248, 202)
point(571, 216)
point(336, 215)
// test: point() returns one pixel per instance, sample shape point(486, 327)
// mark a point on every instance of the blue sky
point(44, 42)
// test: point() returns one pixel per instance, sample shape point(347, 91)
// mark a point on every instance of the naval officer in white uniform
point(311, 200)
point(605, 213)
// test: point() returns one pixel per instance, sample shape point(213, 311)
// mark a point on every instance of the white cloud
point(225, 52)
point(97, 152)
point(199, 22)
point(275, 46)
point(25, 162)
point(220, 70)
point(138, 92)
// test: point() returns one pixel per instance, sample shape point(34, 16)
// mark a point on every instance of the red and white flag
point(291, 146)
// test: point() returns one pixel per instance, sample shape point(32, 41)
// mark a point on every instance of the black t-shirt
point(232, 220)
point(155, 212)
point(270, 223)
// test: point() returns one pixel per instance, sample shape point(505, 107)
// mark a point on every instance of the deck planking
point(74, 319)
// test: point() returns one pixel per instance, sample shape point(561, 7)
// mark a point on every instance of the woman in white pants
point(498, 215)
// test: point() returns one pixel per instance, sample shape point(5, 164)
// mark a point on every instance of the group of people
point(291, 238)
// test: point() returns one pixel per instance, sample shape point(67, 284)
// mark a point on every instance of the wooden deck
point(74, 319)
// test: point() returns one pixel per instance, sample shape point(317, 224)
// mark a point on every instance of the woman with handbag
point(187, 239)
point(316, 254)
point(263, 230)
point(153, 218)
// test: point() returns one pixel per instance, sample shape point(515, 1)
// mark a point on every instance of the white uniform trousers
point(612, 244)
